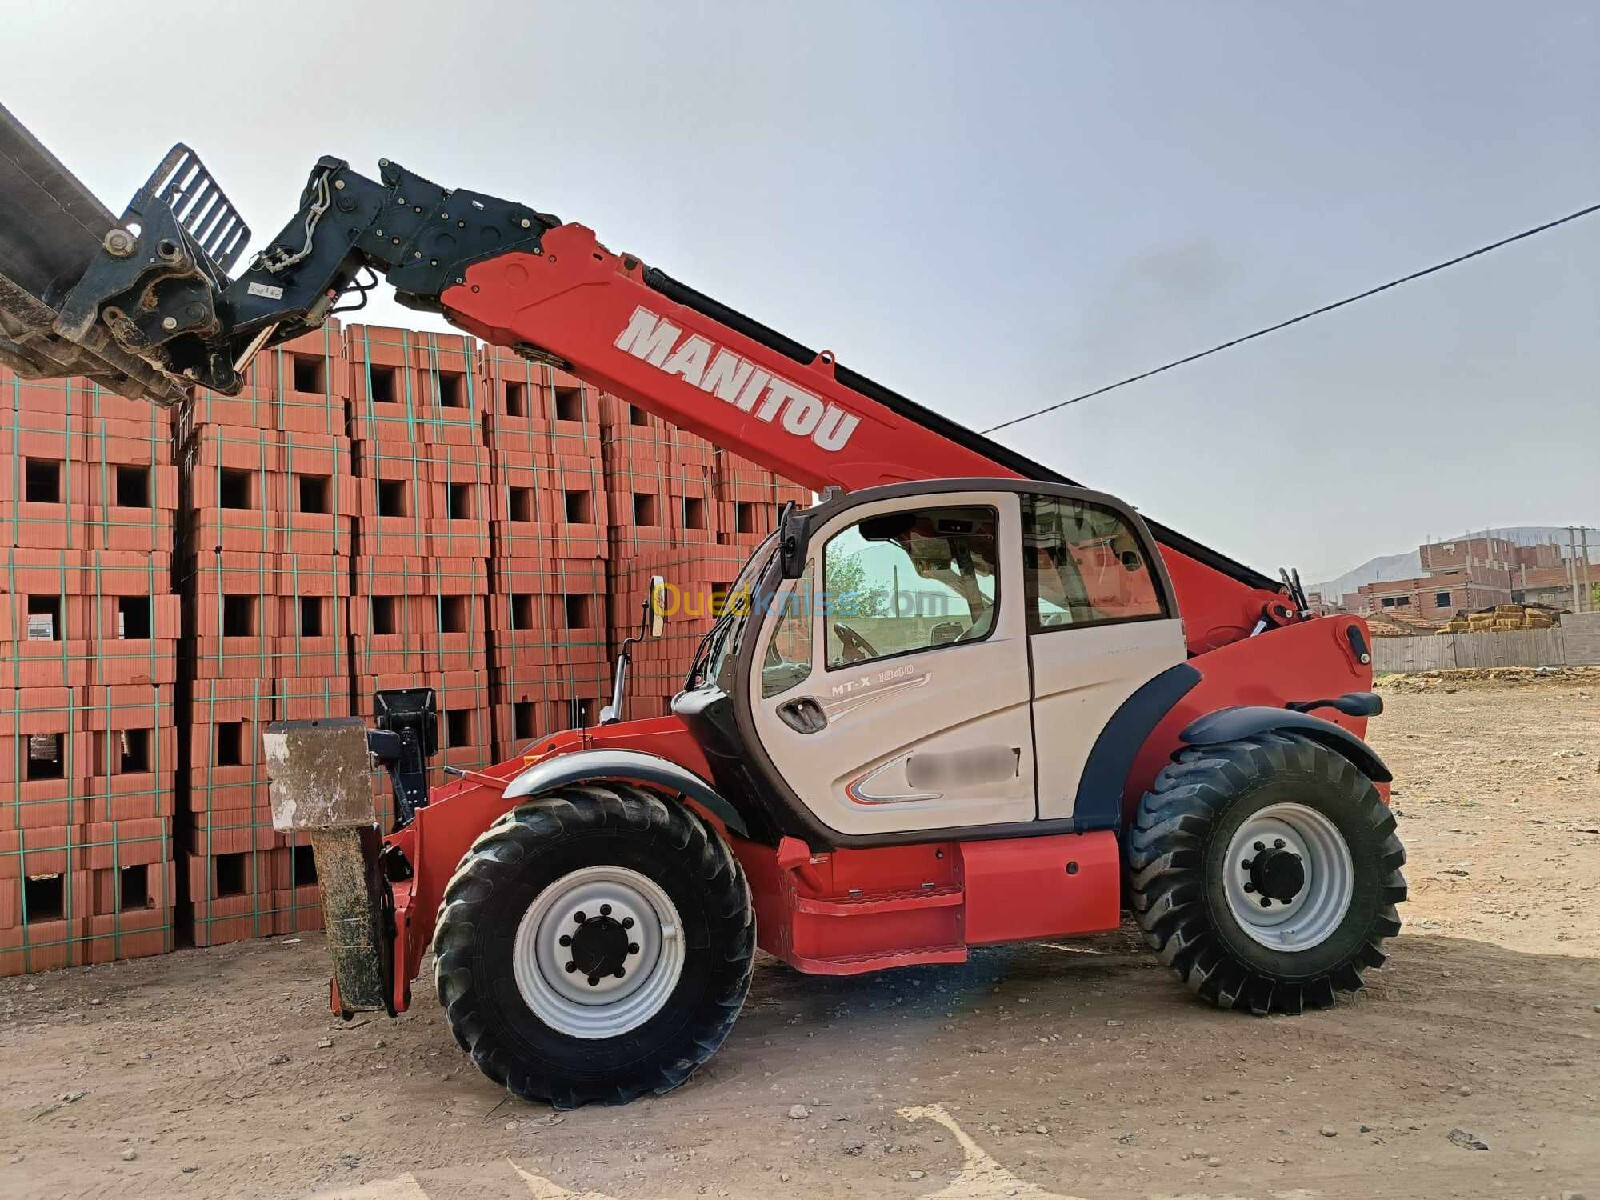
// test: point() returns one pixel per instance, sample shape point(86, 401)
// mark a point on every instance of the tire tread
point(1166, 849)
point(515, 837)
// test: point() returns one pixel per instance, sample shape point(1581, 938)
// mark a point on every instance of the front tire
point(1266, 872)
point(595, 944)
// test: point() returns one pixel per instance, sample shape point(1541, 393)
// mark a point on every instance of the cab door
point(891, 688)
point(1101, 623)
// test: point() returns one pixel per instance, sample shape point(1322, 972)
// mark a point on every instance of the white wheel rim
point(1319, 906)
point(598, 900)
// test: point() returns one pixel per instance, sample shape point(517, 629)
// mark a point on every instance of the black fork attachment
point(145, 303)
point(163, 265)
point(54, 234)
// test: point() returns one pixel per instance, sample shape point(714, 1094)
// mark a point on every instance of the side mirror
point(658, 605)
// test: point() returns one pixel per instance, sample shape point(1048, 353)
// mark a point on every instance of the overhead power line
point(1305, 316)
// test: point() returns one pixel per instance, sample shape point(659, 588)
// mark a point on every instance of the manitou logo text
point(725, 375)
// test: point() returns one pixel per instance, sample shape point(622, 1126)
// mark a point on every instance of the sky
point(991, 207)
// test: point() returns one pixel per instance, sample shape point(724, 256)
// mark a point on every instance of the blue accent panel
point(1231, 724)
point(1105, 774)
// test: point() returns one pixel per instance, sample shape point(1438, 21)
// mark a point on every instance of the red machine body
point(792, 889)
point(573, 303)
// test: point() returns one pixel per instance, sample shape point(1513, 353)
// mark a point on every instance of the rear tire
point(558, 878)
point(1217, 812)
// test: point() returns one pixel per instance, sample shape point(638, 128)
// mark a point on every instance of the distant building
point(1437, 596)
point(1466, 553)
point(1546, 585)
point(1464, 574)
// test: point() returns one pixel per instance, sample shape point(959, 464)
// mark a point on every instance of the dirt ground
point(1077, 1070)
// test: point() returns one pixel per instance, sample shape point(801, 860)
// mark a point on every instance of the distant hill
point(1387, 567)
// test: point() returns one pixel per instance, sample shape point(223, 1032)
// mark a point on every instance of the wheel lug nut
point(566, 939)
point(621, 971)
point(1247, 864)
point(1249, 887)
point(605, 909)
point(594, 981)
point(571, 967)
point(1277, 843)
point(627, 922)
point(1265, 902)
point(633, 947)
point(579, 917)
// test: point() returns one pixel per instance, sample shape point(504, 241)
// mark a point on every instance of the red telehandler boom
point(1077, 707)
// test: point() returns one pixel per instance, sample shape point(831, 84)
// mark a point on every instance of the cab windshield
point(722, 643)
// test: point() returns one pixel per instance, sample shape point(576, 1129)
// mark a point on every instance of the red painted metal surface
point(1042, 887)
point(852, 911)
point(1298, 662)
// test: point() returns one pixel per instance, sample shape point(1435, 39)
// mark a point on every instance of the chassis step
point(861, 964)
point(873, 904)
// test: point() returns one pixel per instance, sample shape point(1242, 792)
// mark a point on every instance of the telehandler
point(960, 701)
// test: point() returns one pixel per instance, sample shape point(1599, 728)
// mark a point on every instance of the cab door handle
point(803, 715)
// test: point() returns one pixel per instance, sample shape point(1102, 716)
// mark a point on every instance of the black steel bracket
point(165, 299)
point(406, 737)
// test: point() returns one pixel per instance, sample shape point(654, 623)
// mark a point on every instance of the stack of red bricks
point(264, 566)
point(421, 589)
point(690, 513)
point(749, 499)
point(551, 512)
point(379, 508)
point(89, 626)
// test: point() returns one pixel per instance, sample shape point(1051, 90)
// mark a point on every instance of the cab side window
point(899, 582)
point(1082, 565)
point(787, 659)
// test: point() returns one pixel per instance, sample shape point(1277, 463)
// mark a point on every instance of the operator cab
point(920, 657)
